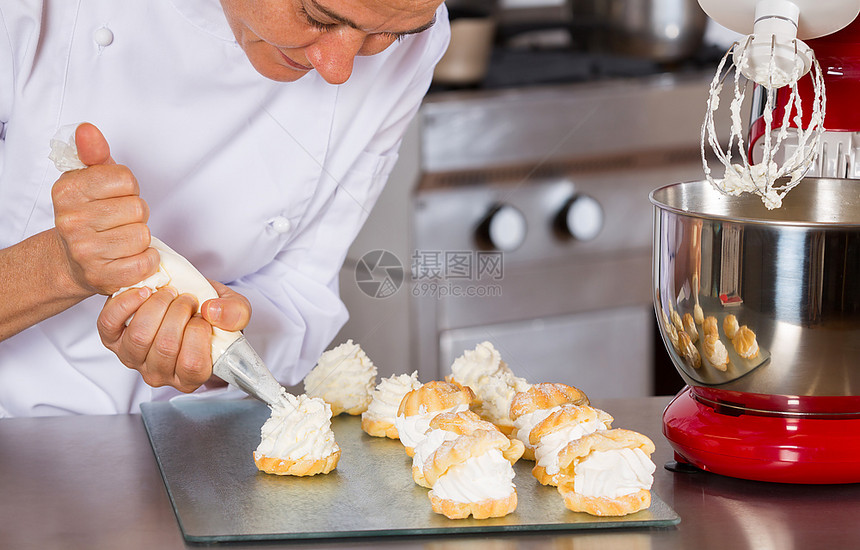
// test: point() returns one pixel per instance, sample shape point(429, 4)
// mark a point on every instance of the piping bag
point(234, 360)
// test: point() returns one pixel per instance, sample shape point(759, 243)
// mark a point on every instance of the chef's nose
point(333, 54)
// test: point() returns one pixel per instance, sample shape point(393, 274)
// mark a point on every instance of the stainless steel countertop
point(92, 482)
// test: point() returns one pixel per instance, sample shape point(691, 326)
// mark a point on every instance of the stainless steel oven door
point(606, 353)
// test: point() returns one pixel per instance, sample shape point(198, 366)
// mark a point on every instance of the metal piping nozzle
point(241, 366)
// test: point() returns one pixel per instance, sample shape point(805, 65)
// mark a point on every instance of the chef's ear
point(92, 146)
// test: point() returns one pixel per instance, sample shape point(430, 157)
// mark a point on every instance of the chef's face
point(286, 39)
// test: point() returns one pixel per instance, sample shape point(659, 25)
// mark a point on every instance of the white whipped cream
point(484, 360)
point(497, 393)
point(344, 376)
point(64, 150)
point(473, 365)
point(433, 439)
point(612, 474)
point(526, 423)
point(719, 355)
point(483, 370)
point(738, 180)
point(386, 398)
point(547, 449)
point(412, 429)
point(487, 476)
point(298, 429)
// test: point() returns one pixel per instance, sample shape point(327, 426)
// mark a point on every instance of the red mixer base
point(763, 448)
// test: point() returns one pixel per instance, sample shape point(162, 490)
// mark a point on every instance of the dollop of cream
point(344, 377)
point(493, 382)
point(526, 423)
point(612, 474)
point(386, 397)
point(496, 393)
point(756, 180)
point(412, 429)
point(299, 428)
point(433, 439)
point(487, 476)
point(484, 360)
point(64, 150)
point(547, 449)
point(715, 350)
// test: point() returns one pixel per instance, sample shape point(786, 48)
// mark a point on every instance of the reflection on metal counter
point(528, 225)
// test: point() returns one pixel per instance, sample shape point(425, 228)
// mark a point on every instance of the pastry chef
point(252, 136)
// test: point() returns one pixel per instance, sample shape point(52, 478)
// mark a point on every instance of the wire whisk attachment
point(787, 152)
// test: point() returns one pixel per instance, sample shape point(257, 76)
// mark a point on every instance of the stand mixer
point(759, 304)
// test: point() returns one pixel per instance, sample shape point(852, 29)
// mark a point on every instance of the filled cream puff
point(744, 342)
point(448, 427)
point(550, 436)
point(607, 473)
point(378, 419)
point(493, 382)
point(419, 406)
point(473, 475)
point(531, 407)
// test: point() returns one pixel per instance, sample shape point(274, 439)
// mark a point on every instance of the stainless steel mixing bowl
point(790, 275)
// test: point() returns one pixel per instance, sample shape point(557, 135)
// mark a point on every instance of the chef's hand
point(166, 341)
point(101, 220)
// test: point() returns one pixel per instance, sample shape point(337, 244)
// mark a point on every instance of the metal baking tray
point(205, 450)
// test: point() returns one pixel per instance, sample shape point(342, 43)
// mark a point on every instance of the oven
point(521, 217)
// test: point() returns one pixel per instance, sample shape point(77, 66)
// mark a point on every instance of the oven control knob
point(504, 228)
point(582, 218)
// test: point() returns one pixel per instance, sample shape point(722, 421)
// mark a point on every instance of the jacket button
point(103, 37)
point(280, 224)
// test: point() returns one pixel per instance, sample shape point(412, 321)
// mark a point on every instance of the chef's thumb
point(92, 146)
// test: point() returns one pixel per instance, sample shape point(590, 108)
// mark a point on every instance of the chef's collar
point(207, 15)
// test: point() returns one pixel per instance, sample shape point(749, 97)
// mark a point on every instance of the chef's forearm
point(36, 283)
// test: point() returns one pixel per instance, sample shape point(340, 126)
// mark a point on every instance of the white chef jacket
point(261, 185)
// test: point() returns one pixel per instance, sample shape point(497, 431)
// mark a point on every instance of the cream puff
point(531, 407)
point(549, 437)
point(473, 475)
point(745, 342)
point(690, 327)
point(297, 439)
point(676, 320)
point(448, 427)
point(344, 377)
point(419, 406)
point(715, 352)
point(378, 419)
point(607, 473)
point(730, 326)
point(688, 350)
point(671, 331)
point(709, 326)
point(493, 382)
